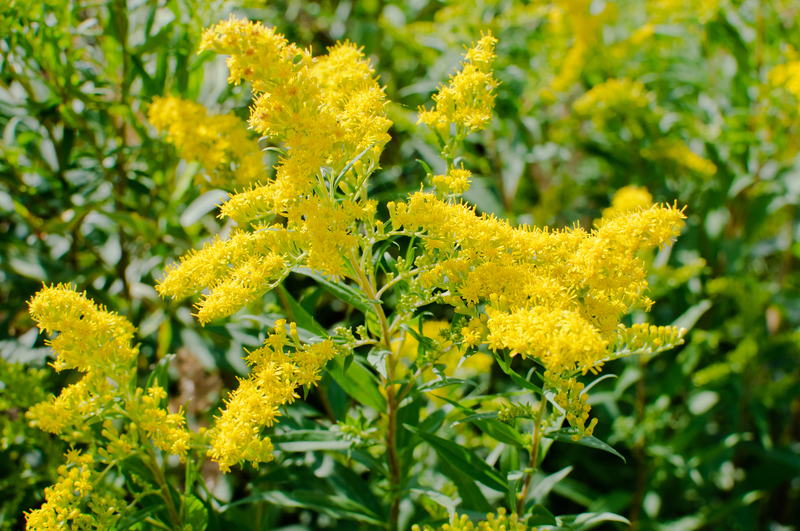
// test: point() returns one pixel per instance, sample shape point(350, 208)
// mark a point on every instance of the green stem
point(392, 402)
point(158, 475)
point(534, 451)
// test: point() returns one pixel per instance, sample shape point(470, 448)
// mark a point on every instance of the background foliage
point(704, 111)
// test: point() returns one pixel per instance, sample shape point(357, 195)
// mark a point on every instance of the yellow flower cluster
point(276, 374)
point(98, 343)
point(615, 99)
point(328, 114)
point(326, 110)
point(89, 337)
point(468, 99)
point(456, 182)
point(554, 296)
point(644, 339)
point(627, 199)
point(510, 412)
point(66, 501)
point(216, 142)
point(567, 394)
point(573, 18)
point(93, 341)
point(167, 430)
point(500, 522)
point(681, 155)
point(787, 75)
point(235, 271)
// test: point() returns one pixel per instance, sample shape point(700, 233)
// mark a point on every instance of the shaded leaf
point(565, 435)
point(464, 459)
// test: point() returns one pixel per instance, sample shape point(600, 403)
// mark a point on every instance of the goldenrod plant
point(398, 265)
point(553, 298)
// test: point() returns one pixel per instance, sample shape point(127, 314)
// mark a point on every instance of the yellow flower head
point(499, 522)
point(276, 374)
point(90, 338)
point(65, 504)
point(553, 296)
point(456, 182)
point(468, 99)
point(787, 75)
point(325, 111)
point(216, 142)
point(629, 198)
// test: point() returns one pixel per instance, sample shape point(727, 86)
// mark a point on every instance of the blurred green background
point(696, 100)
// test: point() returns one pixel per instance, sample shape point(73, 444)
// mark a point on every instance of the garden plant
point(402, 266)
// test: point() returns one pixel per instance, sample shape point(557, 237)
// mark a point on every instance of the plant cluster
point(377, 329)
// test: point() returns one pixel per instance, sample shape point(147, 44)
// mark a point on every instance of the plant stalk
point(392, 402)
point(534, 451)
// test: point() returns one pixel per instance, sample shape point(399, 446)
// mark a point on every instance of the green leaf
point(195, 513)
point(425, 166)
point(514, 481)
point(539, 515)
point(160, 375)
point(445, 382)
point(463, 459)
point(445, 501)
point(348, 360)
point(140, 515)
point(309, 440)
point(416, 334)
point(353, 487)
point(690, 317)
point(333, 505)
point(586, 521)
point(565, 435)
point(377, 358)
point(505, 366)
point(472, 497)
point(476, 416)
point(358, 383)
point(373, 326)
point(493, 428)
point(352, 296)
point(540, 491)
point(301, 316)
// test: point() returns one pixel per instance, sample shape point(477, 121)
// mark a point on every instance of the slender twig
point(398, 278)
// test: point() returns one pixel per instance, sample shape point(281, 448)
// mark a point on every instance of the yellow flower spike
point(65, 506)
point(499, 522)
point(258, 54)
point(90, 337)
point(254, 405)
point(468, 100)
point(235, 271)
point(787, 75)
point(529, 278)
point(214, 141)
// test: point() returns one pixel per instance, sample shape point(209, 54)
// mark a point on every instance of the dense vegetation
point(598, 110)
